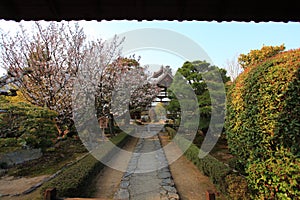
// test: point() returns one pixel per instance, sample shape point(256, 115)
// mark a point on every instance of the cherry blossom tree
point(53, 54)
point(135, 81)
point(60, 59)
point(91, 86)
point(114, 83)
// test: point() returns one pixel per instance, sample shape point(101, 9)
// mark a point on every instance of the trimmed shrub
point(9, 142)
point(237, 187)
point(74, 180)
point(32, 125)
point(277, 177)
point(208, 165)
point(235, 164)
point(219, 173)
point(263, 125)
point(171, 132)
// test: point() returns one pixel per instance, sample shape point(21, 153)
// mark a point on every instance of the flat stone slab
point(148, 176)
point(122, 194)
point(170, 189)
point(163, 175)
point(124, 184)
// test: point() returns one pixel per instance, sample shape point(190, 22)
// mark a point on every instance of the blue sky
point(221, 41)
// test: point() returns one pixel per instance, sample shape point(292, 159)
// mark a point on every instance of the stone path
point(148, 176)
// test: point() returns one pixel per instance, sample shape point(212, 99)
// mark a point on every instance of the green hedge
point(220, 174)
point(171, 132)
point(27, 124)
point(74, 180)
point(263, 125)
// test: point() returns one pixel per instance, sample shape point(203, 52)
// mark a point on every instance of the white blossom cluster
point(58, 55)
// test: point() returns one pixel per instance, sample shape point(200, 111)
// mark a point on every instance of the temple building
point(163, 79)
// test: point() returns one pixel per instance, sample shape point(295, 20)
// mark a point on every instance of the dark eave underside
point(200, 10)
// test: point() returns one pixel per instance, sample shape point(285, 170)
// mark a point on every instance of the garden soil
point(190, 183)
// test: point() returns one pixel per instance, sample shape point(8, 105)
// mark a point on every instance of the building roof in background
point(163, 77)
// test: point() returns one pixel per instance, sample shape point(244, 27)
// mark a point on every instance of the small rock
point(164, 175)
point(122, 194)
point(170, 189)
point(174, 196)
point(124, 184)
point(125, 178)
point(163, 184)
point(163, 192)
point(164, 169)
point(167, 181)
point(127, 174)
point(131, 167)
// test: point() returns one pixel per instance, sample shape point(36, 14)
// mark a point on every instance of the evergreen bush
point(263, 125)
point(27, 124)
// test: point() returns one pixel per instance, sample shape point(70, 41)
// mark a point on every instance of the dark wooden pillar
point(50, 194)
point(210, 195)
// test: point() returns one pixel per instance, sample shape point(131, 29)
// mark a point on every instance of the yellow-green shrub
point(237, 187)
point(263, 125)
